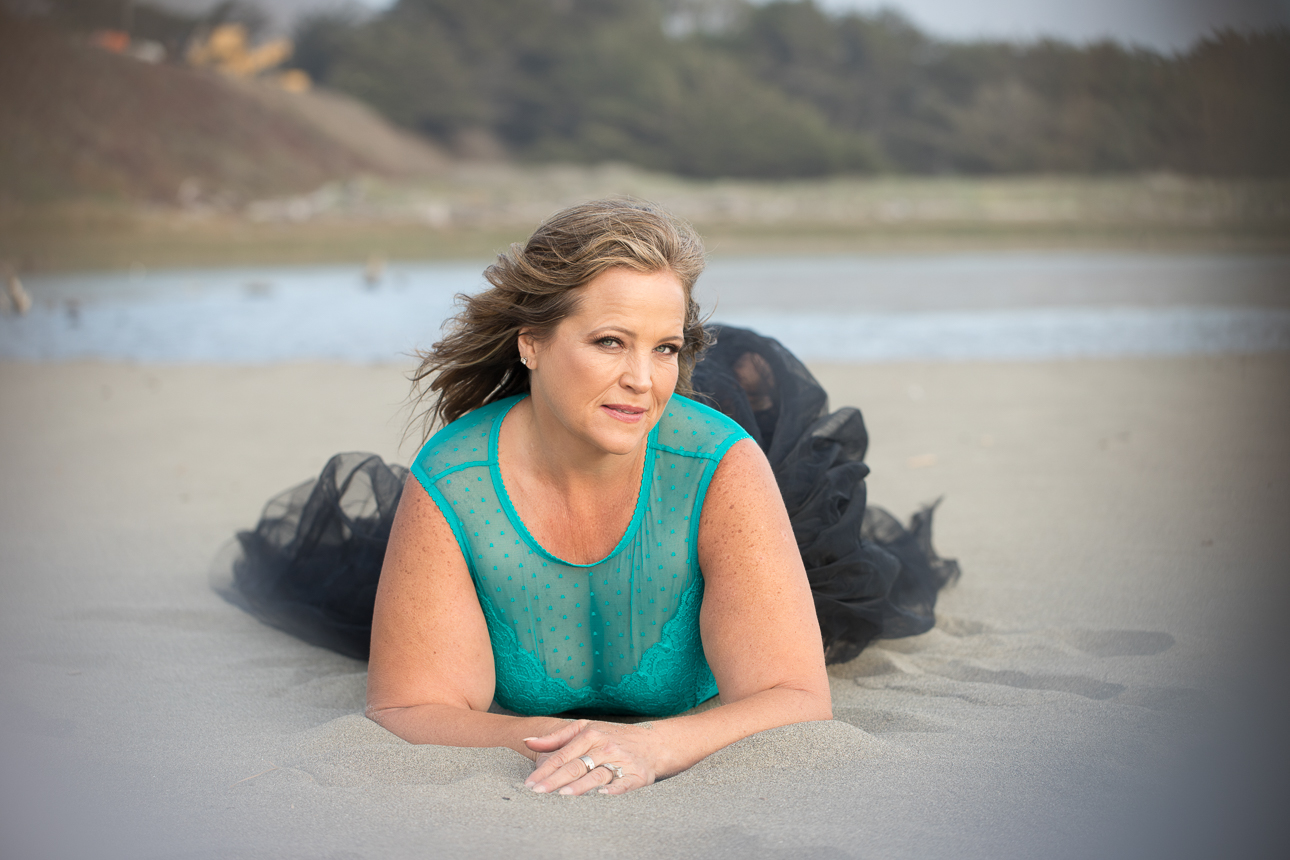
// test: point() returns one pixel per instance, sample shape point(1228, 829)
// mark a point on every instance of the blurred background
point(292, 190)
point(188, 145)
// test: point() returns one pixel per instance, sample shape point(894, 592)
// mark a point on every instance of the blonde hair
point(535, 286)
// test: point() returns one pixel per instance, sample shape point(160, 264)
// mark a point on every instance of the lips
point(625, 412)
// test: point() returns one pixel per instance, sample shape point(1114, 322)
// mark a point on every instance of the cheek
point(666, 374)
point(590, 369)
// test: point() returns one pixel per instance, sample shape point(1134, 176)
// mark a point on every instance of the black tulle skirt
point(311, 565)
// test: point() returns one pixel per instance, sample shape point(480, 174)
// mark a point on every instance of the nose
point(636, 374)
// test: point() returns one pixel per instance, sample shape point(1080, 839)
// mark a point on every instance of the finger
point(624, 785)
point(550, 764)
point(556, 739)
point(570, 771)
point(599, 777)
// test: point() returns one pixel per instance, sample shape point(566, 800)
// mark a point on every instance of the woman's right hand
point(635, 749)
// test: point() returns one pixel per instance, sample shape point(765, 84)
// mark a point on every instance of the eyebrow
point(626, 331)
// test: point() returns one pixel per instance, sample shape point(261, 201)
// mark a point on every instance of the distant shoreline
point(475, 211)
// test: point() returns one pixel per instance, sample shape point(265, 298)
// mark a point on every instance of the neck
point(566, 463)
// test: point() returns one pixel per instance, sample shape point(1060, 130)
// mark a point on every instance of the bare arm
point(430, 677)
point(760, 635)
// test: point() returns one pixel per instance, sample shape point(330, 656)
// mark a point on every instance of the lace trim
point(672, 675)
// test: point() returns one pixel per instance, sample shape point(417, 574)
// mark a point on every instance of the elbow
point(818, 699)
point(812, 702)
point(397, 720)
point(821, 706)
point(384, 715)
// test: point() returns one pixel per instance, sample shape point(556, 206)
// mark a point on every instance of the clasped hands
point(560, 766)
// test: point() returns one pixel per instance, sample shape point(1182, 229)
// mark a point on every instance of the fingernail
point(526, 740)
point(528, 783)
point(602, 791)
point(541, 789)
point(566, 790)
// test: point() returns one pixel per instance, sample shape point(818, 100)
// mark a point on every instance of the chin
point(622, 439)
point(622, 444)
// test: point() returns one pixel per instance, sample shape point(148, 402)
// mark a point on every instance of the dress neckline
point(504, 498)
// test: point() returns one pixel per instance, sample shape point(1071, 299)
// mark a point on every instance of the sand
point(1105, 681)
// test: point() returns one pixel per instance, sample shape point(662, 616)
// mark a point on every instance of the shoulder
point(742, 509)
point(691, 428)
point(743, 486)
point(461, 443)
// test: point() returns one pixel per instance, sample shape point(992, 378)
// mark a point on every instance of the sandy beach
point(1103, 682)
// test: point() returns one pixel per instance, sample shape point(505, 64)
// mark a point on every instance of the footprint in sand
point(968, 651)
point(877, 721)
point(1089, 688)
point(1098, 643)
point(1179, 700)
point(1118, 643)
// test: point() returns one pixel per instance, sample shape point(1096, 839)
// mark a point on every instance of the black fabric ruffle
point(870, 575)
point(311, 565)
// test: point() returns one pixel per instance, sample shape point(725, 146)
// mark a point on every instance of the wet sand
point(1104, 681)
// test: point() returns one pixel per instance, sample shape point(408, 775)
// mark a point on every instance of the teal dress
point(619, 636)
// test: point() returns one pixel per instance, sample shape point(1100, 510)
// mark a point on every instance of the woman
point(595, 318)
point(583, 537)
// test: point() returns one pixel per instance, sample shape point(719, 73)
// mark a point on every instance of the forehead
point(655, 297)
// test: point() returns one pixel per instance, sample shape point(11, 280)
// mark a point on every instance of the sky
point(1165, 25)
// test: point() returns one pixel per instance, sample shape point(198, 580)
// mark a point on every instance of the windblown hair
point(535, 286)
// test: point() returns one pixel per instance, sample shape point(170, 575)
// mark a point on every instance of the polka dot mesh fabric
point(312, 563)
point(579, 636)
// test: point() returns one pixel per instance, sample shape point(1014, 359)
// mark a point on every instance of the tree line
point(711, 88)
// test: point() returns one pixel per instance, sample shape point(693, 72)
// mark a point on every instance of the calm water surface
point(845, 308)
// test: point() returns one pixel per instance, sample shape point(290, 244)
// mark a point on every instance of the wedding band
point(588, 761)
point(614, 769)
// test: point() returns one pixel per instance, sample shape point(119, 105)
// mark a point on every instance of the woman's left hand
point(633, 749)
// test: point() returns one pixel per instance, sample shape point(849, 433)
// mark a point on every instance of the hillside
point(109, 162)
point(788, 89)
point(79, 121)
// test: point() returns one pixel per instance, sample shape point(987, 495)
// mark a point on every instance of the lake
point(870, 308)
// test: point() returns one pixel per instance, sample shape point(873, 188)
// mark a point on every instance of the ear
point(527, 344)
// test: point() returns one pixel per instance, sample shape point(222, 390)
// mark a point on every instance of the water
point(986, 306)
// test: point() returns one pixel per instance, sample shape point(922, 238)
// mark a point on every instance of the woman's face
point(607, 371)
